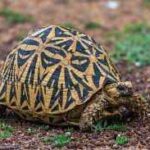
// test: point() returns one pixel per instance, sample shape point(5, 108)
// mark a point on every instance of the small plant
point(58, 140)
point(109, 123)
point(92, 25)
point(31, 130)
point(46, 139)
point(121, 140)
point(44, 127)
point(15, 17)
point(68, 25)
point(5, 130)
point(100, 126)
point(5, 134)
point(117, 127)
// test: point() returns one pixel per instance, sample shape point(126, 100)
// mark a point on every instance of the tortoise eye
point(120, 88)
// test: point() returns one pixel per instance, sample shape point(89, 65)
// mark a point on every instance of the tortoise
point(62, 76)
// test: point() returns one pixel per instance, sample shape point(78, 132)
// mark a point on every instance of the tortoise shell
point(53, 70)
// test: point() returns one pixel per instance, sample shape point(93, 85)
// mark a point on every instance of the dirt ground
point(78, 12)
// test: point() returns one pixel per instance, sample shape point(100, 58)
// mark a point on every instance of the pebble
point(112, 4)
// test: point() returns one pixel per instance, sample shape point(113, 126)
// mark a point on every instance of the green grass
point(5, 131)
point(110, 123)
point(121, 140)
point(137, 28)
point(92, 25)
point(58, 140)
point(134, 45)
point(99, 126)
point(117, 127)
point(15, 17)
point(146, 3)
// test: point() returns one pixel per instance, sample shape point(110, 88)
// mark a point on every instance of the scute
point(53, 70)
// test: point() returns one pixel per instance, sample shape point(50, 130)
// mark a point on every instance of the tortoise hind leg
point(2, 110)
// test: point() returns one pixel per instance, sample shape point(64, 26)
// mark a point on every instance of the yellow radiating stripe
point(32, 93)
point(77, 72)
point(101, 57)
point(65, 91)
point(18, 93)
point(62, 40)
point(47, 99)
point(57, 56)
point(48, 53)
point(78, 54)
point(72, 48)
point(16, 65)
point(85, 46)
point(62, 77)
point(17, 100)
point(73, 79)
point(72, 104)
point(51, 34)
point(31, 47)
point(90, 70)
point(37, 67)
point(24, 104)
point(8, 94)
point(101, 81)
point(50, 71)
point(65, 30)
point(56, 47)
point(56, 101)
point(3, 96)
point(91, 83)
point(39, 105)
point(75, 96)
point(101, 70)
point(86, 41)
point(22, 46)
point(25, 70)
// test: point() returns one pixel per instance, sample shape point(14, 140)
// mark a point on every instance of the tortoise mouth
point(127, 92)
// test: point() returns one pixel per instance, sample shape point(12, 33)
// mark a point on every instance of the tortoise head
point(122, 93)
point(119, 89)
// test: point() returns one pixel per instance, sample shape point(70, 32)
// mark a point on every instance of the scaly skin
point(97, 110)
point(140, 105)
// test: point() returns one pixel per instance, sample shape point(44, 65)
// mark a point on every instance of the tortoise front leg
point(94, 111)
point(140, 105)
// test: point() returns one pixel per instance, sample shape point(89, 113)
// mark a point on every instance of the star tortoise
point(62, 76)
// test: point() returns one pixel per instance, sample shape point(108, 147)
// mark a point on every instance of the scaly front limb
point(95, 110)
point(140, 105)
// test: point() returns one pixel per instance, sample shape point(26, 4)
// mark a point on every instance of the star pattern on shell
point(53, 70)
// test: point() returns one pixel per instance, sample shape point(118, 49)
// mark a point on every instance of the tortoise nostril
point(124, 91)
